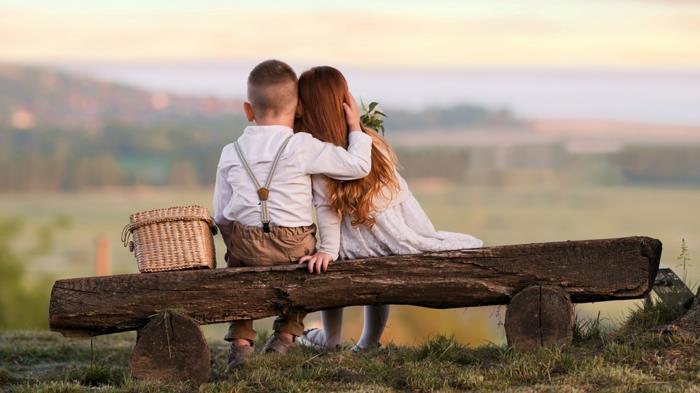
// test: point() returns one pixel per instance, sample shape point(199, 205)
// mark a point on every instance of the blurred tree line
point(453, 118)
point(24, 299)
point(172, 154)
point(501, 165)
point(660, 164)
point(185, 153)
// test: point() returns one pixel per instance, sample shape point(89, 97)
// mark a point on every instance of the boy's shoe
point(277, 344)
point(314, 338)
point(239, 355)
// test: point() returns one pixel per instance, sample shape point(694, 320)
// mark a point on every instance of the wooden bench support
point(539, 315)
point(171, 347)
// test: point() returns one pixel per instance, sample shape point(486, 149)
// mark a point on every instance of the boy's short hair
point(272, 88)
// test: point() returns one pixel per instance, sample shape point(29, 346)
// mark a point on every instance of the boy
point(270, 223)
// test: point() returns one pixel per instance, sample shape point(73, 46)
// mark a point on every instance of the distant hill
point(41, 98)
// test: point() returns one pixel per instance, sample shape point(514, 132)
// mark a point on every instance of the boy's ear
point(299, 111)
point(248, 109)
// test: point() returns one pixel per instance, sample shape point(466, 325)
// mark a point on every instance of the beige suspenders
point(264, 190)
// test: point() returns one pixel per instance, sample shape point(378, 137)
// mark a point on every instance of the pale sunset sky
point(646, 34)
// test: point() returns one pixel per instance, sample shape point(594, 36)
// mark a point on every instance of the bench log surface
point(588, 270)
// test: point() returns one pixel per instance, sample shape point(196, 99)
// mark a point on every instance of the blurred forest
point(183, 155)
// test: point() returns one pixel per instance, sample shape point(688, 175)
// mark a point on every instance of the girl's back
point(401, 227)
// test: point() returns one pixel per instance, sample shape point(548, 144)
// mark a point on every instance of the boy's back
point(290, 198)
point(263, 196)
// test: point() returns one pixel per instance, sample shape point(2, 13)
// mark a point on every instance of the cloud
point(568, 37)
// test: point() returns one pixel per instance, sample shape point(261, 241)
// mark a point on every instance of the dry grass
point(627, 360)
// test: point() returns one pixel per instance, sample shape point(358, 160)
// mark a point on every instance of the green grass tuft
point(443, 348)
point(652, 314)
point(588, 330)
point(96, 375)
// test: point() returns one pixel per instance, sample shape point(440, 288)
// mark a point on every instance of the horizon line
point(354, 67)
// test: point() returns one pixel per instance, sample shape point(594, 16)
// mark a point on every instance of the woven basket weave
point(174, 238)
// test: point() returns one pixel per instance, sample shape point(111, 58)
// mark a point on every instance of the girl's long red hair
point(322, 91)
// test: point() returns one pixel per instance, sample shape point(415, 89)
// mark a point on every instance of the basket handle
point(129, 228)
point(126, 236)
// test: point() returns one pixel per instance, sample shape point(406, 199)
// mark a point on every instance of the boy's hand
point(352, 112)
point(318, 262)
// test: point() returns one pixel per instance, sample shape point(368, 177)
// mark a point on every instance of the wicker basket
point(174, 238)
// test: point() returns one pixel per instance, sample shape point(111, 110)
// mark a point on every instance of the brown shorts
point(251, 246)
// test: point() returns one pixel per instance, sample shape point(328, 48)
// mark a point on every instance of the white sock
point(375, 321)
point(332, 326)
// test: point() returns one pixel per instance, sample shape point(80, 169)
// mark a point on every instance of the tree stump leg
point(171, 347)
point(539, 316)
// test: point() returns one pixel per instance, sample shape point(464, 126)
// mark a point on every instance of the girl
point(373, 216)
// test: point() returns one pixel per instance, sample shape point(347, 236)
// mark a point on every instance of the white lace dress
point(401, 227)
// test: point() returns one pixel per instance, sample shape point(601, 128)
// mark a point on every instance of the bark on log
point(171, 348)
point(539, 316)
point(589, 270)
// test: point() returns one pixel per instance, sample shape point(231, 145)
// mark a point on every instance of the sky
point(379, 34)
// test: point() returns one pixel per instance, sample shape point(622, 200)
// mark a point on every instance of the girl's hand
point(317, 262)
point(352, 112)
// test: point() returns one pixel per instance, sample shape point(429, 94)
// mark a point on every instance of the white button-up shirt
point(290, 198)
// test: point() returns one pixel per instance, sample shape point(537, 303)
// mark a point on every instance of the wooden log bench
point(539, 282)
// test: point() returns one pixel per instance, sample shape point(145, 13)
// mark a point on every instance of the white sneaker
point(314, 338)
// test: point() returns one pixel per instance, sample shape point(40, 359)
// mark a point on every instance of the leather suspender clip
point(262, 190)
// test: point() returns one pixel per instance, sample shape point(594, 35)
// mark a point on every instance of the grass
point(629, 359)
point(652, 314)
point(647, 363)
